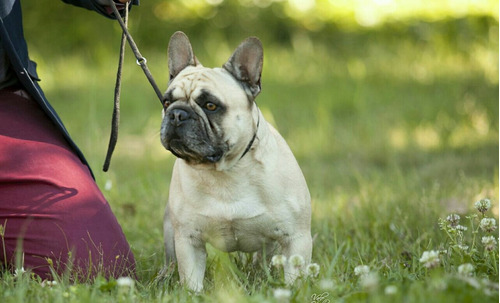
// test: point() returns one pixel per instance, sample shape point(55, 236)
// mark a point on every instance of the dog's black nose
point(178, 116)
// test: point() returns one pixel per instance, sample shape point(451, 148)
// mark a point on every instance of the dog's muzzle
point(184, 135)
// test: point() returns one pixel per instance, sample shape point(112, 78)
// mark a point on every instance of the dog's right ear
point(180, 54)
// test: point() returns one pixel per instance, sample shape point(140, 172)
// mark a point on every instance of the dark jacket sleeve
point(94, 6)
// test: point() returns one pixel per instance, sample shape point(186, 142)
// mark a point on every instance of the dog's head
point(209, 115)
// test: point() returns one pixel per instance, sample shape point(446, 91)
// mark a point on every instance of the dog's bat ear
point(245, 64)
point(180, 54)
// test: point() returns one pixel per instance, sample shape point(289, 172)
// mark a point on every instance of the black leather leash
point(140, 61)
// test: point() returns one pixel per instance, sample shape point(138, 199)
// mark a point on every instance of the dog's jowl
point(235, 184)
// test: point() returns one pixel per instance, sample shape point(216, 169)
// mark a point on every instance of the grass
point(392, 135)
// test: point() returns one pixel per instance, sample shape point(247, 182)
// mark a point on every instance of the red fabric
point(49, 202)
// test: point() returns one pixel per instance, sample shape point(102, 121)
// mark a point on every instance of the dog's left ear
point(245, 64)
point(180, 54)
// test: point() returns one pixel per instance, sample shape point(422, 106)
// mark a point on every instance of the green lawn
point(392, 132)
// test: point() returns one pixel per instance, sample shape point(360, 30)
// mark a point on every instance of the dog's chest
point(239, 226)
point(234, 213)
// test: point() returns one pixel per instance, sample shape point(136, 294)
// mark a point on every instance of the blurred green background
point(384, 102)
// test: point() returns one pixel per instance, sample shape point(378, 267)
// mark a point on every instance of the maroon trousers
point(52, 212)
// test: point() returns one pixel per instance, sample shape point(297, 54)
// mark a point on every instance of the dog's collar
point(249, 146)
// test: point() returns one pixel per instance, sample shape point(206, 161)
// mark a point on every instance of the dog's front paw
point(194, 286)
point(294, 268)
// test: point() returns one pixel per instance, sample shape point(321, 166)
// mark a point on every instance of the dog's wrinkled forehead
point(187, 84)
point(193, 81)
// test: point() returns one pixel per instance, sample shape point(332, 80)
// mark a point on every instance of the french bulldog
point(235, 182)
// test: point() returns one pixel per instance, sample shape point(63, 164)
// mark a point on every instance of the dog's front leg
point(191, 258)
point(169, 238)
point(302, 246)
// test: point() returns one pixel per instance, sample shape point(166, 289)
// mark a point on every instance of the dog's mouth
point(194, 153)
point(214, 158)
point(192, 142)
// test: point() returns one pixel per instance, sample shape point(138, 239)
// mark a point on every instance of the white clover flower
point(278, 260)
point(282, 294)
point(108, 185)
point(48, 283)
point(430, 259)
point(460, 227)
point(19, 272)
point(361, 270)
point(391, 290)
point(453, 219)
point(369, 281)
point(125, 282)
point(488, 225)
point(312, 270)
point(296, 261)
point(489, 243)
point(466, 269)
point(483, 205)
point(463, 247)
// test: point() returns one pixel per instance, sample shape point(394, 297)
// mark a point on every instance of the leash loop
point(141, 61)
point(115, 121)
point(136, 52)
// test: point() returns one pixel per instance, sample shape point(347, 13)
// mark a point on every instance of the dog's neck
point(252, 148)
point(249, 146)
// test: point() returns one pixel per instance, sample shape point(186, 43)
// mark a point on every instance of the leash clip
point(141, 60)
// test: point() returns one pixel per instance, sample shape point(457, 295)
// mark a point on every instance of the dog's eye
point(166, 103)
point(210, 106)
